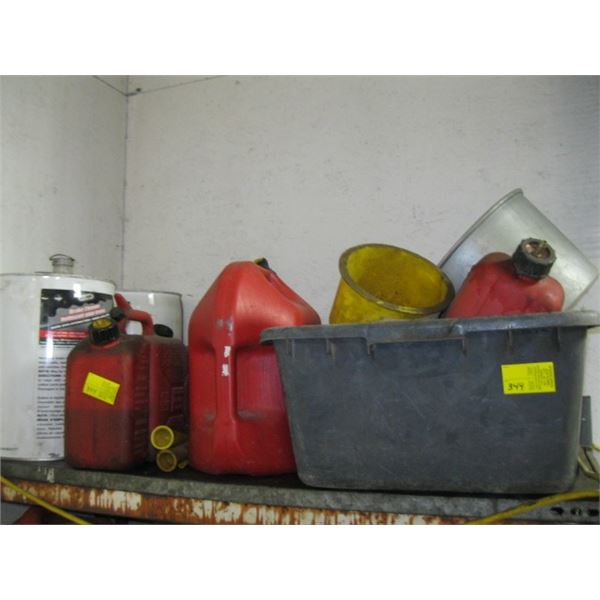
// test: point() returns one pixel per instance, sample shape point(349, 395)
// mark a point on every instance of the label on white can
point(65, 316)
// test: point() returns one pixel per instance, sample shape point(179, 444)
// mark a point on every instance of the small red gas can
point(106, 403)
point(238, 421)
point(503, 285)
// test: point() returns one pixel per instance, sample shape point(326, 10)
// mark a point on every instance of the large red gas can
point(238, 421)
point(503, 285)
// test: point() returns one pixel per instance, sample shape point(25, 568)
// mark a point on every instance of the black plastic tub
point(487, 404)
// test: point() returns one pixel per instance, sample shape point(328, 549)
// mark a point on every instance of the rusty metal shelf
point(191, 497)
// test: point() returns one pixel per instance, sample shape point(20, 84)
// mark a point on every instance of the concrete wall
point(300, 168)
point(62, 173)
point(62, 177)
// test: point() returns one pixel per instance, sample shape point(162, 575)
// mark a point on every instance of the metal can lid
point(61, 263)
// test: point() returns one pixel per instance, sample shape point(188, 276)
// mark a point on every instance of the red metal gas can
point(503, 285)
point(238, 421)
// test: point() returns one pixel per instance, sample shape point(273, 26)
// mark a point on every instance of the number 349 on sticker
point(515, 387)
point(529, 378)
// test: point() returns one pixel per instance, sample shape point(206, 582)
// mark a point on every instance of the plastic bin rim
point(435, 328)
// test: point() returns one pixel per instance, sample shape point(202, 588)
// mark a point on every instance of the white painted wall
point(62, 176)
point(300, 168)
point(62, 173)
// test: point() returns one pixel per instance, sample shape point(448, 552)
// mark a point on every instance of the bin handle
point(454, 333)
point(450, 338)
point(400, 340)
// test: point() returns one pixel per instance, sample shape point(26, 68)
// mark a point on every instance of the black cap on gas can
point(533, 258)
point(103, 331)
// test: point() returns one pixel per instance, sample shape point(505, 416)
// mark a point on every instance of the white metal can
point(42, 317)
point(164, 307)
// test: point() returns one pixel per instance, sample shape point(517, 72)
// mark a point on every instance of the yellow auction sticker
point(529, 378)
point(101, 388)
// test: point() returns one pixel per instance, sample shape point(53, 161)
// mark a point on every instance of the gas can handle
point(144, 318)
point(132, 314)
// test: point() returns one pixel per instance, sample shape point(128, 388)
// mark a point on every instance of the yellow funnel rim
point(413, 310)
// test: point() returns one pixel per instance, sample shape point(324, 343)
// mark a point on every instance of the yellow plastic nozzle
point(172, 458)
point(163, 437)
point(166, 461)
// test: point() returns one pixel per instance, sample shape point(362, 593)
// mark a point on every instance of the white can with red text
point(42, 317)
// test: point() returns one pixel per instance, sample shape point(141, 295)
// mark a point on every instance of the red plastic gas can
point(106, 403)
point(168, 371)
point(119, 387)
point(503, 285)
point(238, 421)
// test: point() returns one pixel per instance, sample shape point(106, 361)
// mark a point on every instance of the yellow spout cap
point(172, 458)
point(163, 437)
